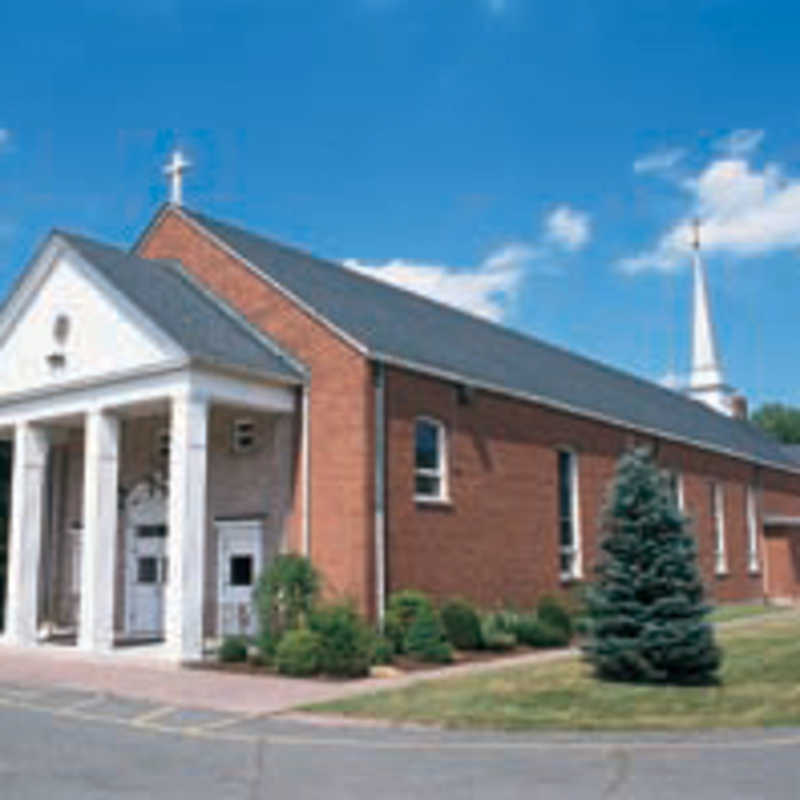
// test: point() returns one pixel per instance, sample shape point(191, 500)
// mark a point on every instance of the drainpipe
point(379, 383)
point(305, 425)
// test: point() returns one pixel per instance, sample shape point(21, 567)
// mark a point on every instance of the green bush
point(462, 625)
point(299, 653)
point(345, 638)
point(536, 632)
point(285, 594)
point(382, 650)
point(232, 649)
point(425, 640)
point(554, 615)
point(497, 630)
point(401, 611)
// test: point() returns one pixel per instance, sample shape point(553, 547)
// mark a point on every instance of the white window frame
point(237, 445)
point(718, 520)
point(441, 471)
point(678, 477)
point(575, 552)
point(753, 562)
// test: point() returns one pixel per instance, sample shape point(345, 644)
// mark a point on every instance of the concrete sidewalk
point(138, 675)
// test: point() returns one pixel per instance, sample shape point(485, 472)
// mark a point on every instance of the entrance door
point(149, 569)
point(239, 565)
point(146, 562)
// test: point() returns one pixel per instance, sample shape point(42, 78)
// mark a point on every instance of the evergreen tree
point(646, 609)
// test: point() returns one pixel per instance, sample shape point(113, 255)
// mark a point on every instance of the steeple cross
point(174, 169)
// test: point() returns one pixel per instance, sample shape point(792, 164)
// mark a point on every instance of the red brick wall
point(340, 407)
point(497, 541)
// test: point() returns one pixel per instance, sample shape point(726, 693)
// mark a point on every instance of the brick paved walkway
point(142, 675)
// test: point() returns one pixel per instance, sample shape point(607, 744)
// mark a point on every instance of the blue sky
point(535, 162)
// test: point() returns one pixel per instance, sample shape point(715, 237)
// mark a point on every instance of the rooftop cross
point(175, 168)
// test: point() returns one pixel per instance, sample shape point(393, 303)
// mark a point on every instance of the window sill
point(433, 501)
point(570, 578)
point(722, 573)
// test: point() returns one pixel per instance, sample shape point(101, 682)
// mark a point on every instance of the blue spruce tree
point(647, 611)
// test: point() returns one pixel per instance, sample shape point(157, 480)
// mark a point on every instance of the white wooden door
point(239, 565)
point(146, 564)
point(148, 570)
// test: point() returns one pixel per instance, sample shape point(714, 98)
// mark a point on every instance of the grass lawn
point(760, 686)
point(741, 610)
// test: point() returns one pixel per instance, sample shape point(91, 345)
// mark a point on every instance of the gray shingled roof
point(396, 324)
point(792, 452)
point(183, 310)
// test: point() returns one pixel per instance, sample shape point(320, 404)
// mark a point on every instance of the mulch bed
point(402, 663)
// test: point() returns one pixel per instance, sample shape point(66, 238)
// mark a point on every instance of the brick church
point(183, 409)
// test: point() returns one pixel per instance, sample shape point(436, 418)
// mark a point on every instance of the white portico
point(104, 356)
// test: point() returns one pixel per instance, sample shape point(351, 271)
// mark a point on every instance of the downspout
point(379, 382)
point(305, 517)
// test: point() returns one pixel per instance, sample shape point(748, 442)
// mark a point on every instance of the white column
point(99, 542)
point(187, 526)
point(25, 532)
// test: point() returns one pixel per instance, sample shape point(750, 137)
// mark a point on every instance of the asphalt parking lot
point(65, 744)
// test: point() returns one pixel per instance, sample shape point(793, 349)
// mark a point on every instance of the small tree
point(646, 608)
point(285, 594)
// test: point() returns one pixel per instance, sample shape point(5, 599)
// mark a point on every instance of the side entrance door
point(146, 562)
point(239, 565)
point(148, 570)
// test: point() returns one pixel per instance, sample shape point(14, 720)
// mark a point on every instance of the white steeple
point(706, 382)
point(175, 169)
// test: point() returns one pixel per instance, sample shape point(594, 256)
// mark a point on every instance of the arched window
point(430, 460)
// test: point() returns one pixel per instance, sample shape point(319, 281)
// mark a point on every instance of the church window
point(752, 528)
point(718, 520)
point(568, 516)
point(430, 478)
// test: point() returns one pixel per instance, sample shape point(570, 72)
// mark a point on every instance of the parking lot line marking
point(149, 717)
point(227, 722)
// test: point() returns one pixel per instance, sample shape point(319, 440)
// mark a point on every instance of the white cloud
point(745, 212)
point(739, 142)
point(660, 160)
point(5, 138)
point(568, 228)
point(485, 291)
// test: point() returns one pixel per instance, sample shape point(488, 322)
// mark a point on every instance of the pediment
point(64, 324)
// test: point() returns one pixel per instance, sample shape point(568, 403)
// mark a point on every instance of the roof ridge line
point(199, 217)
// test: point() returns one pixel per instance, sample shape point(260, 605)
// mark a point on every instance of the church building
point(185, 408)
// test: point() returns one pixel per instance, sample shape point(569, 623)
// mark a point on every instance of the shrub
point(382, 650)
point(495, 631)
point(285, 595)
point(536, 632)
point(233, 649)
point(299, 653)
point(554, 615)
point(425, 640)
point(345, 639)
point(461, 624)
point(401, 611)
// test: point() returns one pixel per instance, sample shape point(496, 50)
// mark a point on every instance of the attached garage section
point(782, 558)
